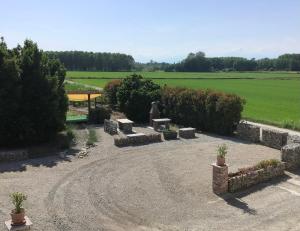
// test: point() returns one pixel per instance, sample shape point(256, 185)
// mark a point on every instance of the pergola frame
point(85, 92)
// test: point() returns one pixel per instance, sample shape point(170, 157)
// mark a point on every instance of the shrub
point(33, 103)
point(222, 150)
point(266, 163)
point(203, 109)
point(135, 95)
point(99, 114)
point(110, 92)
point(92, 137)
point(18, 199)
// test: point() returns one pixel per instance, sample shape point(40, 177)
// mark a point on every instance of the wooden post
point(89, 103)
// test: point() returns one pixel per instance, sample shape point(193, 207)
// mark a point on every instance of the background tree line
point(93, 61)
point(198, 62)
point(194, 62)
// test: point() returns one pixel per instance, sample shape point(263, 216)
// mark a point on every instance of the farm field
point(269, 99)
point(117, 75)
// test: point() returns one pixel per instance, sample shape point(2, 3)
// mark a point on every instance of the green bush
point(33, 103)
point(99, 114)
point(110, 92)
point(135, 95)
point(266, 163)
point(202, 109)
point(92, 137)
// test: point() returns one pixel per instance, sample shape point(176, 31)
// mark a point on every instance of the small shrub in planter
point(18, 213)
point(222, 151)
point(99, 114)
point(169, 134)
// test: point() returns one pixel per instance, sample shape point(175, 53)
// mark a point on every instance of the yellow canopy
point(82, 97)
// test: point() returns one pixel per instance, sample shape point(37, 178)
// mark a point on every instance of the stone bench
point(158, 122)
point(273, 138)
point(187, 133)
point(125, 125)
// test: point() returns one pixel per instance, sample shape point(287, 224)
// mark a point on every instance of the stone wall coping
point(275, 131)
point(187, 129)
point(218, 166)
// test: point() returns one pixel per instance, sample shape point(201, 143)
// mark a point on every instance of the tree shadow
point(49, 160)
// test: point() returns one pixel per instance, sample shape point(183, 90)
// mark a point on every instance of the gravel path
point(163, 186)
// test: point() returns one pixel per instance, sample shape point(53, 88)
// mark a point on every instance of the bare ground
point(163, 186)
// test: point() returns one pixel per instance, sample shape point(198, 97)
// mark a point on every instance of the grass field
point(269, 98)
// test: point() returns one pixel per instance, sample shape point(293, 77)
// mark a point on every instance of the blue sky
point(162, 30)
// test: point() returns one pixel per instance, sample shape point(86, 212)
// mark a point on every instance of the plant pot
point(18, 218)
point(220, 161)
point(170, 135)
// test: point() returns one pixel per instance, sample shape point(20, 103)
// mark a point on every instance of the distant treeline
point(93, 61)
point(198, 63)
point(194, 62)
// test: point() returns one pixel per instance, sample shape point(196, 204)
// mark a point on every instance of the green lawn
point(267, 100)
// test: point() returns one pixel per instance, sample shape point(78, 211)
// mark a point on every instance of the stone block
point(273, 138)
point(291, 155)
point(248, 132)
point(187, 133)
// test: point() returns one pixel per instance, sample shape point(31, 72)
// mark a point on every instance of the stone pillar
point(220, 179)
point(154, 112)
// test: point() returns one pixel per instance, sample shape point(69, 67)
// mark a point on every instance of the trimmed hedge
point(205, 110)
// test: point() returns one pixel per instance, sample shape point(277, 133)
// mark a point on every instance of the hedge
point(205, 110)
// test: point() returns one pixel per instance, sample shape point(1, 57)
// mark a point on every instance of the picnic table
point(125, 125)
point(157, 123)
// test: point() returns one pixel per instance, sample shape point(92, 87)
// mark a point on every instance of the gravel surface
point(162, 186)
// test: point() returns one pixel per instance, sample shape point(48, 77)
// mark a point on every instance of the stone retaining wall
point(291, 155)
point(248, 132)
point(13, 155)
point(244, 181)
point(138, 140)
point(273, 138)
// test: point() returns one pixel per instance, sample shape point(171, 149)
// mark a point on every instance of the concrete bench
point(125, 125)
point(187, 133)
point(158, 122)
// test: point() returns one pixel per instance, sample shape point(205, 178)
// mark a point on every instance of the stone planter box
point(274, 139)
point(137, 140)
point(243, 181)
point(248, 132)
point(170, 135)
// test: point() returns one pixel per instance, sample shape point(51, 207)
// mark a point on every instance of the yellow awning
point(82, 97)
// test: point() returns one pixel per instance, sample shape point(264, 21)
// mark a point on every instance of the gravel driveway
point(163, 186)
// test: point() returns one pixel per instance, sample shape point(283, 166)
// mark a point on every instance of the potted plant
point(222, 151)
point(18, 213)
point(169, 134)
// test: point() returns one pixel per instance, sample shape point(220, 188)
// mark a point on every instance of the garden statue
point(154, 112)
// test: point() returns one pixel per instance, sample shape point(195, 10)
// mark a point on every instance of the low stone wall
point(110, 127)
point(291, 155)
point(274, 139)
point(13, 155)
point(243, 181)
point(138, 140)
point(248, 132)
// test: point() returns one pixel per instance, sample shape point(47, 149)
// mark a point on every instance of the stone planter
point(170, 135)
